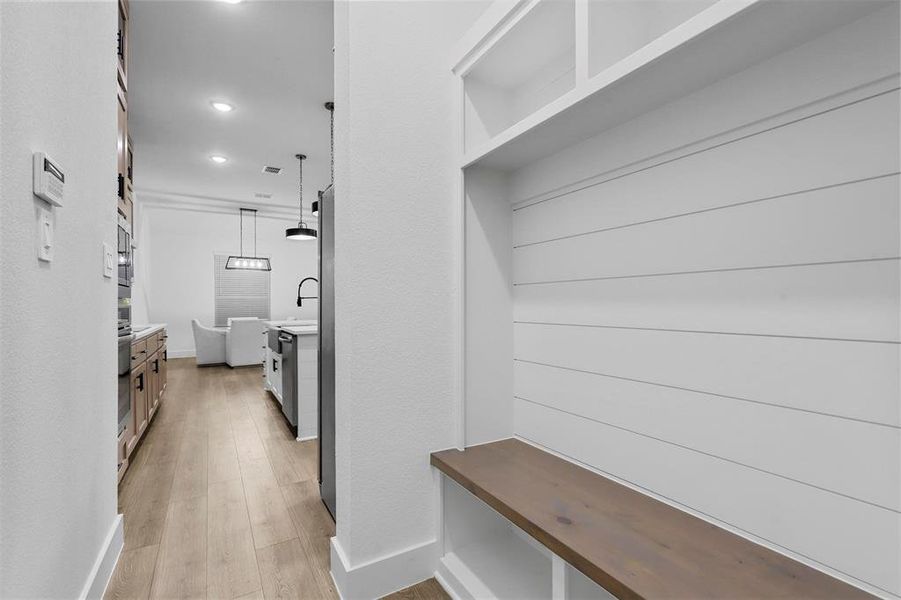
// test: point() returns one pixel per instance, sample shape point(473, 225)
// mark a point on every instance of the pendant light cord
point(241, 243)
point(331, 109)
point(300, 158)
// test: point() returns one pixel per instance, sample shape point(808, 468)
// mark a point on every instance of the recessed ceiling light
point(222, 106)
point(218, 159)
point(231, 1)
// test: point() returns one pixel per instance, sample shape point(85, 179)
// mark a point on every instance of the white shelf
point(721, 40)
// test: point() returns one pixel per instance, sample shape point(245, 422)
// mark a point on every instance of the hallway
point(221, 502)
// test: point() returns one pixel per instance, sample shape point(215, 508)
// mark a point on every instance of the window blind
point(239, 293)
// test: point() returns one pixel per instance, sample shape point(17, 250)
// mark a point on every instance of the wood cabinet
point(124, 200)
point(149, 373)
point(138, 353)
point(154, 375)
point(122, 45)
point(164, 369)
point(139, 393)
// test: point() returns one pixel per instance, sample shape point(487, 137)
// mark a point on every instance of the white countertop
point(295, 327)
point(146, 330)
point(301, 330)
point(291, 323)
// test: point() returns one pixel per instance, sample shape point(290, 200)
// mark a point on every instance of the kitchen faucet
point(300, 298)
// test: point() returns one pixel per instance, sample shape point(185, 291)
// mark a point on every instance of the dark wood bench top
point(629, 543)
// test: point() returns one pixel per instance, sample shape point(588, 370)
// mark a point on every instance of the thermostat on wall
point(48, 179)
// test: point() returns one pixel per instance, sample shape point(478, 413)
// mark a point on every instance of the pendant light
point(301, 232)
point(330, 107)
point(248, 263)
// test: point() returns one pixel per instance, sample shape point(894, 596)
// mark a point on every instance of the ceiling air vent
point(262, 196)
point(273, 170)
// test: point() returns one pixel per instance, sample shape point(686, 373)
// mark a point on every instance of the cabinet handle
point(141, 382)
point(274, 366)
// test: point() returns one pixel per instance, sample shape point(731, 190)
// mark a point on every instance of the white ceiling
point(271, 59)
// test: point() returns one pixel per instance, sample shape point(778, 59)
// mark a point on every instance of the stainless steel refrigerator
point(327, 349)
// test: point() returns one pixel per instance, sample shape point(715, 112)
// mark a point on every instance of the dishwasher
point(288, 350)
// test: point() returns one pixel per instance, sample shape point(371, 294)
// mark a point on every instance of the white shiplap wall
point(712, 315)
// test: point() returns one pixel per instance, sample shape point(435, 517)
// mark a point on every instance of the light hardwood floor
point(221, 502)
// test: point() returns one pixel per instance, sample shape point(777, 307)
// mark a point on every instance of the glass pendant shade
point(248, 263)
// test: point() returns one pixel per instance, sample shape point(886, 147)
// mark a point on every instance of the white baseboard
point(450, 583)
point(385, 575)
point(105, 563)
point(182, 353)
point(306, 438)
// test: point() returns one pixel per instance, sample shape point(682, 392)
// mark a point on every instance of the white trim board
point(385, 575)
point(106, 561)
point(173, 201)
point(449, 583)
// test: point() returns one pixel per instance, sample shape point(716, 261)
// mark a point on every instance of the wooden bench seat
point(629, 543)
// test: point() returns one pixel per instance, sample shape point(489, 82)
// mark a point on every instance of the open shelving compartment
point(486, 555)
point(530, 66)
point(619, 28)
point(627, 59)
point(537, 80)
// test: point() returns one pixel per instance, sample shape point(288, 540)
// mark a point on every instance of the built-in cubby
point(667, 101)
point(580, 587)
point(530, 66)
point(488, 556)
point(618, 28)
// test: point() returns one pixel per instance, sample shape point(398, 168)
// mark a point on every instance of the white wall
point(706, 303)
point(175, 258)
point(58, 410)
point(395, 274)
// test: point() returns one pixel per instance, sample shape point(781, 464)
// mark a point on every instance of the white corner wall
point(58, 521)
point(396, 286)
point(174, 268)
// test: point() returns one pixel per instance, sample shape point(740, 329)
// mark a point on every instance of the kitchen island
point(292, 372)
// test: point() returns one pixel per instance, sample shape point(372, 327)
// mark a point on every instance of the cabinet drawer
point(138, 353)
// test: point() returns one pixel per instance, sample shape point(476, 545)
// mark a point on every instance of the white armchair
point(209, 344)
point(244, 342)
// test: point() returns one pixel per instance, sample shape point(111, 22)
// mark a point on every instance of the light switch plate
point(109, 260)
point(45, 235)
